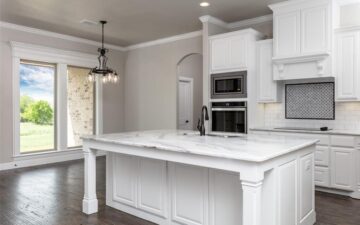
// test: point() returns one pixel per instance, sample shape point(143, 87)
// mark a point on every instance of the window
point(37, 106)
point(54, 104)
point(80, 105)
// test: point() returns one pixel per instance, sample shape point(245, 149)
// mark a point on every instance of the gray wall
point(151, 84)
point(113, 95)
point(192, 67)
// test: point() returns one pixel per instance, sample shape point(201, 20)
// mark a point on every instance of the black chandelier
point(103, 72)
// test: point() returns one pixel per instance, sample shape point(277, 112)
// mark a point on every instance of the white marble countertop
point(334, 132)
point(255, 148)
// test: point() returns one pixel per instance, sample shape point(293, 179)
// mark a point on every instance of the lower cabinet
point(173, 193)
point(152, 186)
point(189, 194)
point(133, 174)
point(343, 168)
point(125, 183)
point(225, 198)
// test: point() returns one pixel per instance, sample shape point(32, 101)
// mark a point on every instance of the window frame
point(62, 59)
point(25, 61)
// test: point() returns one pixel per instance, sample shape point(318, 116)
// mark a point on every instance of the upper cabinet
point(287, 33)
point(303, 38)
point(230, 51)
point(268, 90)
point(347, 65)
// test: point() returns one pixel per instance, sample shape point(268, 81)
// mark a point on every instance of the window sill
point(48, 153)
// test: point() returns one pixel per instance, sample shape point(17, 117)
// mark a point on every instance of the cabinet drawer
point(341, 140)
point(322, 156)
point(323, 139)
point(322, 176)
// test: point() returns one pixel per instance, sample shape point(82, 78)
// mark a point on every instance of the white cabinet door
point(152, 186)
point(342, 168)
point(347, 66)
point(189, 196)
point(125, 179)
point(307, 188)
point(220, 49)
point(225, 198)
point(287, 193)
point(315, 29)
point(287, 34)
point(266, 85)
point(237, 52)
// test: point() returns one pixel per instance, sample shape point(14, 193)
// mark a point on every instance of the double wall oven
point(229, 115)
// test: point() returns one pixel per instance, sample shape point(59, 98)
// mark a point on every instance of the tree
point(25, 101)
point(39, 112)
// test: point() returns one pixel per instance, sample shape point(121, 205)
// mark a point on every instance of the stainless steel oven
point(229, 85)
point(229, 117)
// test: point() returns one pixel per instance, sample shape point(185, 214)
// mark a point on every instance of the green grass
point(35, 137)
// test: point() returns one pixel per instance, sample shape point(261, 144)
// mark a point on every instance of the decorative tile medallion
point(310, 101)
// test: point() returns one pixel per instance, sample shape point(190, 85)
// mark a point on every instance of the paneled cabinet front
point(287, 34)
point(302, 28)
point(268, 90)
point(343, 168)
point(189, 195)
point(228, 53)
point(347, 66)
point(140, 183)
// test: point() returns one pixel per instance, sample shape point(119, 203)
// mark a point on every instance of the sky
point(37, 82)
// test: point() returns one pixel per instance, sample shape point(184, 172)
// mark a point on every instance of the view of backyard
point(37, 129)
point(36, 137)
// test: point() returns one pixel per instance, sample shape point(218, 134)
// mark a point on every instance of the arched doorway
point(189, 90)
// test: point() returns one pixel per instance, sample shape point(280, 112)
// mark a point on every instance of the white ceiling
point(130, 21)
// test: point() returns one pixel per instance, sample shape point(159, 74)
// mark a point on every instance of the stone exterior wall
point(80, 105)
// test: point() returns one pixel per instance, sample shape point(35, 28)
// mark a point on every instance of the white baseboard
point(28, 161)
point(352, 194)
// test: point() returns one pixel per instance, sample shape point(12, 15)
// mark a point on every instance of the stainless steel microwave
point(229, 85)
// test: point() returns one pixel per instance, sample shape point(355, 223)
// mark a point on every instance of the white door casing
point(185, 103)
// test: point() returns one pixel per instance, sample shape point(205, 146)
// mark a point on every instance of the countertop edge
point(330, 132)
point(246, 159)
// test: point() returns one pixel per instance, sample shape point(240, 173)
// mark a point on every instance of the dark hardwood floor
point(52, 195)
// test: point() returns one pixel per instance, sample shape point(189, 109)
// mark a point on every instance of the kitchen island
point(180, 177)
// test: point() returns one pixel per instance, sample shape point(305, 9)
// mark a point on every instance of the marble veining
point(256, 148)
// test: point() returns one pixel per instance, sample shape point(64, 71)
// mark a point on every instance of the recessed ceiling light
point(204, 4)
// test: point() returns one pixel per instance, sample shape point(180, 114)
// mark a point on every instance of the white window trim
point(62, 59)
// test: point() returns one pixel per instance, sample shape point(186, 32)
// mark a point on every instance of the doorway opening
point(189, 91)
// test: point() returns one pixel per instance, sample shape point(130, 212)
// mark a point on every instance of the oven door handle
point(229, 109)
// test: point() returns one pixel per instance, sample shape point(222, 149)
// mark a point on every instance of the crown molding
point(348, 2)
point(57, 35)
point(165, 40)
point(213, 20)
point(252, 21)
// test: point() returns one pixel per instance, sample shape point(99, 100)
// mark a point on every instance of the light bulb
point(115, 79)
point(104, 79)
point(91, 77)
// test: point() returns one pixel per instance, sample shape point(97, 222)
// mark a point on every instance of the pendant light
point(106, 74)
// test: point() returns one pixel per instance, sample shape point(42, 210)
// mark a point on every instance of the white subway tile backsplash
point(347, 116)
